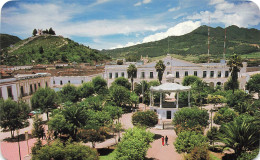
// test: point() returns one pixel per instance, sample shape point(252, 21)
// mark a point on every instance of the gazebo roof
point(170, 87)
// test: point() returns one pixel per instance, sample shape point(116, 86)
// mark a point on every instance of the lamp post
point(17, 131)
point(211, 110)
point(26, 138)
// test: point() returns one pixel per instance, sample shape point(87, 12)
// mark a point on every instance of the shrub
point(192, 119)
point(134, 144)
point(238, 97)
point(248, 155)
point(198, 153)
point(224, 115)
point(148, 118)
point(121, 81)
point(188, 140)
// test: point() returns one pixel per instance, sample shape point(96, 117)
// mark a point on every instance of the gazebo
point(167, 113)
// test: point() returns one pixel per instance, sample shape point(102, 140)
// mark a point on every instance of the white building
point(21, 87)
point(212, 73)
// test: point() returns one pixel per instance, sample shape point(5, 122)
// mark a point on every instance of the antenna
point(224, 54)
point(208, 38)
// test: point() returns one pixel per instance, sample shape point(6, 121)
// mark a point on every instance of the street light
point(17, 131)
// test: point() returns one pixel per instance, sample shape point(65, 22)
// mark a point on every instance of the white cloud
point(126, 45)
point(138, 4)
point(242, 14)
point(147, 1)
point(177, 30)
point(174, 9)
point(142, 2)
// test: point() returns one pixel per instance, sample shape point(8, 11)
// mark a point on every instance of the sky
point(108, 24)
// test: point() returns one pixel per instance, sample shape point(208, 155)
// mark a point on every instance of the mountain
point(239, 40)
point(48, 49)
point(6, 40)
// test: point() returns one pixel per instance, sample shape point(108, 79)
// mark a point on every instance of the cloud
point(174, 9)
point(177, 30)
point(242, 14)
point(142, 2)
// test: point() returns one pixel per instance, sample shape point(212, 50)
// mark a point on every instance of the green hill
point(242, 41)
point(48, 49)
point(6, 40)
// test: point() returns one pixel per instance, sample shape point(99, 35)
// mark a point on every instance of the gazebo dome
point(170, 87)
point(170, 78)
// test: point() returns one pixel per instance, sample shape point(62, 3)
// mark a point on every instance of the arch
point(219, 83)
point(211, 84)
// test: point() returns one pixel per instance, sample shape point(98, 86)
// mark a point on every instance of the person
point(163, 140)
point(166, 140)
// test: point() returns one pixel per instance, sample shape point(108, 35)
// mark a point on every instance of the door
point(169, 115)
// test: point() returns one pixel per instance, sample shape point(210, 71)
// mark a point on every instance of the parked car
point(37, 111)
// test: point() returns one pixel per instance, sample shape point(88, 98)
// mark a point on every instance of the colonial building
point(21, 87)
point(212, 73)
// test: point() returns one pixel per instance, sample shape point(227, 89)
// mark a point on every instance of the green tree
point(147, 119)
point(229, 85)
point(120, 95)
point(212, 135)
point(52, 32)
point(132, 71)
point(69, 151)
point(199, 92)
point(34, 32)
point(253, 85)
point(234, 63)
point(44, 99)
point(59, 124)
point(114, 111)
point(69, 93)
point(122, 81)
point(13, 115)
point(189, 80)
point(41, 50)
point(38, 129)
point(224, 115)
point(160, 67)
point(242, 135)
point(93, 102)
point(192, 119)
point(134, 144)
point(188, 140)
point(238, 97)
point(86, 90)
point(100, 85)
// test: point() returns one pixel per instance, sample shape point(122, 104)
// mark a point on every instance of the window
point(177, 74)
point(1, 96)
point(186, 73)
point(68, 81)
point(82, 81)
point(211, 74)
point(61, 83)
point(226, 73)
point(122, 74)
point(142, 75)
point(195, 73)
point(39, 85)
point(116, 75)
point(31, 89)
point(9, 91)
point(21, 90)
point(219, 73)
point(46, 84)
point(151, 74)
point(53, 82)
point(168, 73)
point(35, 88)
point(204, 74)
point(110, 75)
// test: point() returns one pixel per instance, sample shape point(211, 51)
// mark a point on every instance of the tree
point(147, 119)
point(114, 111)
point(100, 85)
point(13, 115)
point(224, 115)
point(69, 93)
point(38, 129)
point(134, 144)
point(122, 81)
point(41, 50)
point(160, 67)
point(234, 63)
point(120, 95)
point(93, 102)
point(132, 71)
point(212, 135)
point(229, 85)
point(69, 151)
point(52, 32)
point(192, 119)
point(86, 90)
point(189, 80)
point(45, 99)
point(59, 124)
point(238, 97)
point(198, 153)
point(34, 32)
point(242, 134)
point(188, 140)
point(199, 91)
point(253, 85)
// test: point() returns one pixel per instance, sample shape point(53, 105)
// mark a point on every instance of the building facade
point(21, 87)
point(212, 73)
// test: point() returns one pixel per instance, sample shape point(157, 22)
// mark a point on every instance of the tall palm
point(234, 63)
point(241, 135)
point(160, 67)
point(131, 71)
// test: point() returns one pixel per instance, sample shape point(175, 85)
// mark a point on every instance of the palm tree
point(241, 135)
point(131, 71)
point(234, 63)
point(160, 67)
